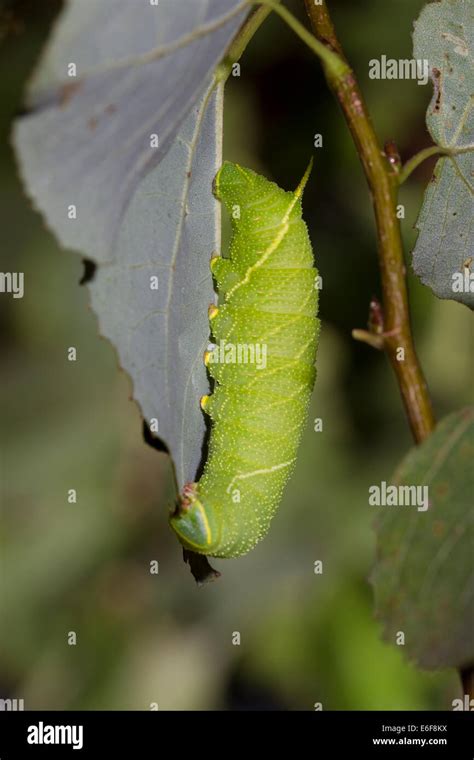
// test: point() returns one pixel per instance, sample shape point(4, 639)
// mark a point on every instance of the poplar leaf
point(443, 257)
point(120, 160)
point(423, 579)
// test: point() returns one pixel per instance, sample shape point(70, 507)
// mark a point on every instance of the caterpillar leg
point(204, 402)
point(212, 311)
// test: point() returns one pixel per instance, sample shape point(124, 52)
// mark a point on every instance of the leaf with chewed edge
point(146, 215)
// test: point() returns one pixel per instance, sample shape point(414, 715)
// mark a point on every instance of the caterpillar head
point(232, 183)
point(195, 528)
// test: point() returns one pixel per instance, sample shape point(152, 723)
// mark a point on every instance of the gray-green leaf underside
point(423, 578)
point(444, 35)
point(142, 211)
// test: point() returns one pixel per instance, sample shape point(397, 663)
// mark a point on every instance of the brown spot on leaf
point(67, 92)
point(92, 123)
point(110, 108)
point(437, 88)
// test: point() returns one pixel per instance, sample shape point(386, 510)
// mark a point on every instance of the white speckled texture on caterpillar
point(265, 333)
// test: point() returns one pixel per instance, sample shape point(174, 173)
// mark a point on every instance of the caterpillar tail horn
point(299, 190)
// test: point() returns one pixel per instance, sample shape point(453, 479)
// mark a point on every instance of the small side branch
point(414, 162)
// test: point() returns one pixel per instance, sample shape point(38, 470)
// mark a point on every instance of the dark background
point(84, 567)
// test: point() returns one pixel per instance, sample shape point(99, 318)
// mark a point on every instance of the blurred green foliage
point(84, 567)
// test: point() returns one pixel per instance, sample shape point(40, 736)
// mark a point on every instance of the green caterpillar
point(266, 335)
